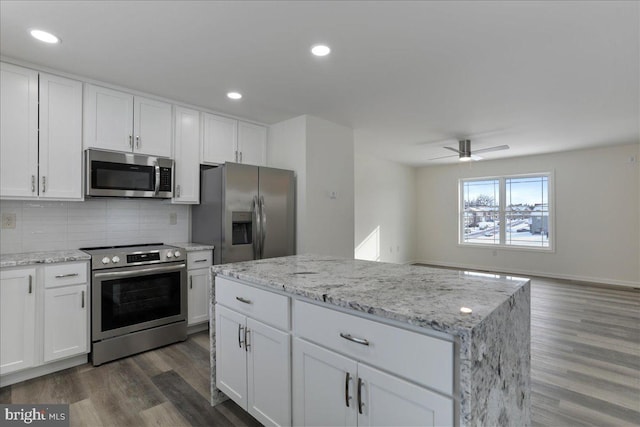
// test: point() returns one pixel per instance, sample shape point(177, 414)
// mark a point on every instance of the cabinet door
point(231, 355)
point(65, 322)
point(269, 374)
point(324, 387)
point(152, 127)
point(252, 144)
point(18, 131)
point(17, 319)
point(220, 139)
point(60, 138)
point(187, 156)
point(108, 119)
point(389, 400)
point(198, 296)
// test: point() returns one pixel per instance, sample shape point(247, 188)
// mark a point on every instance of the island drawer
point(65, 274)
point(199, 259)
point(419, 358)
point(265, 306)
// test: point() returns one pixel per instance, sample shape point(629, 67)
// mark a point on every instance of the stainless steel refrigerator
point(247, 212)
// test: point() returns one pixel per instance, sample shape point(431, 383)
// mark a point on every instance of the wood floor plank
point(52, 388)
point(83, 413)
point(162, 415)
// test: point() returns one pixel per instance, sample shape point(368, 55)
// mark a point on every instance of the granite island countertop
point(422, 296)
point(43, 257)
point(493, 341)
point(193, 246)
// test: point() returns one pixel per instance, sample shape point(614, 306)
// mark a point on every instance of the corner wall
point(597, 211)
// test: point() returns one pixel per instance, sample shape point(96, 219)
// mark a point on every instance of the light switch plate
point(8, 220)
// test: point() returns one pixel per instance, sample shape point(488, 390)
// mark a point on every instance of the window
point(510, 211)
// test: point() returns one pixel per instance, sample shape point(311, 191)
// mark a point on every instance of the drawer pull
point(240, 341)
point(347, 398)
point(62, 276)
point(200, 260)
point(360, 404)
point(243, 300)
point(354, 339)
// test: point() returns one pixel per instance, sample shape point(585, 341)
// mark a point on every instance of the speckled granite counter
point(46, 257)
point(193, 247)
point(493, 341)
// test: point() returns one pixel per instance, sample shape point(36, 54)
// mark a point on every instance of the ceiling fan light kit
point(464, 151)
point(464, 148)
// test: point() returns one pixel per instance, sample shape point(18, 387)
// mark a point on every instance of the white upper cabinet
point(115, 120)
point(52, 168)
point(252, 144)
point(60, 138)
point(18, 131)
point(229, 140)
point(220, 139)
point(187, 156)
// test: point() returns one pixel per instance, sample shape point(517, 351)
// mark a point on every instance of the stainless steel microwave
point(114, 174)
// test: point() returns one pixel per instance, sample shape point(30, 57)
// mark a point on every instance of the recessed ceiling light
point(321, 50)
point(43, 36)
point(234, 95)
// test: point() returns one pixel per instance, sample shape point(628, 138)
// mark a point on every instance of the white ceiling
point(408, 77)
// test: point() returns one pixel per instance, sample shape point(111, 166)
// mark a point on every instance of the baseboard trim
point(570, 277)
point(38, 371)
point(197, 328)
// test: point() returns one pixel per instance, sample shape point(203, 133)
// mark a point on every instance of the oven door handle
point(137, 272)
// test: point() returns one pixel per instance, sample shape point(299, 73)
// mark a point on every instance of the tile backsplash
point(42, 226)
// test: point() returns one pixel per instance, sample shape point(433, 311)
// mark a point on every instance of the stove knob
point(177, 253)
point(169, 254)
point(106, 260)
point(115, 259)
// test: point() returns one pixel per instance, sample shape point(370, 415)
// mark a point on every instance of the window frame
point(502, 212)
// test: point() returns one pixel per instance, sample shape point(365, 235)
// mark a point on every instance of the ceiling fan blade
point(443, 157)
point(496, 148)
point(452, 149)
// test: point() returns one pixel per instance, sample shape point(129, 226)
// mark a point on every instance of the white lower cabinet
point(253, 366)
point(17, 319)
point(65, 322)
point(198, 264)
point(333, 390)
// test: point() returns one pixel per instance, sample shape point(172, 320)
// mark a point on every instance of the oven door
point(135, 298)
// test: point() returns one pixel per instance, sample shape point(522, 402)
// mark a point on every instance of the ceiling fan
point(464, 151)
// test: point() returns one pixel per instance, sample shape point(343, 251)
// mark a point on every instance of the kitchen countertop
point(421, 296)
point(192, 246)
point(493, 343)
point(44, 257)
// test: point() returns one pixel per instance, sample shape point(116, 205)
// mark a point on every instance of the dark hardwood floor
point(585, 344)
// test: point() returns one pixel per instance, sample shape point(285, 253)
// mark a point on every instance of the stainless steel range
point(138, 299)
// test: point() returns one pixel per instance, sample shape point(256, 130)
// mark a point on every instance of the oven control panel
point(113, 257)
point(153, 256)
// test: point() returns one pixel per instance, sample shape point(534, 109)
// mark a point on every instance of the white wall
point(597, 216)
point(42, 226)
point(384, 208)
point(321, 154)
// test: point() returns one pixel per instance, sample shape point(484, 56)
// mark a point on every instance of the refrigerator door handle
point(263, 226)
point(255, 208)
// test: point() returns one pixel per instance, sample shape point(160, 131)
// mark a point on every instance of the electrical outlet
point(8, 220)
point(173, 218)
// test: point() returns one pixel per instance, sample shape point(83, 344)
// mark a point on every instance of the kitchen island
point(483, 318)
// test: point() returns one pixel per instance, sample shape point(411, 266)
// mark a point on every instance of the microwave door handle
point(157, 168)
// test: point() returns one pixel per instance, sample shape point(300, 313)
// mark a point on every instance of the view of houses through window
point(507, 211)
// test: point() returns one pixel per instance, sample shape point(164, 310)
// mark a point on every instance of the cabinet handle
point(240, 329)
point(177, 190)
point(347, 398)
point(354, 339)
point(44, 184)
point(246, 339)
point(30, 284)
point(82, 305)
point(131, 141)
point(236, 156)
point(61, 276)
point(33, 183)
point(360, 404)
point(190, 282)
point(241, 157)
point(138, 143)
point(200, 260)
point(243, 300)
